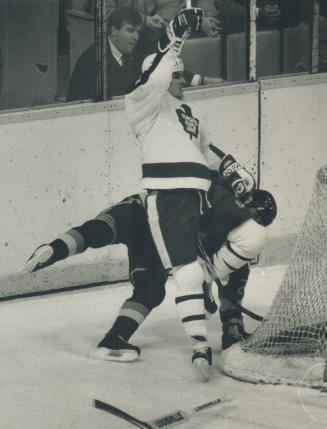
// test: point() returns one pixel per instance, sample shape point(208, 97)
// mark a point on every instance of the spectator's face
point(177, 84)
point(126, 37)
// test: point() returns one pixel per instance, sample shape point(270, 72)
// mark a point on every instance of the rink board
point(64, 165)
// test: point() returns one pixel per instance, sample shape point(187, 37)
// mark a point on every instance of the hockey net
point(289, 347)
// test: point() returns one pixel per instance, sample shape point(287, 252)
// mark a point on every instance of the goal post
point(290, 346)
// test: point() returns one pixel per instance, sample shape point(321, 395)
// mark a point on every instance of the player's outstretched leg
point(113, 347)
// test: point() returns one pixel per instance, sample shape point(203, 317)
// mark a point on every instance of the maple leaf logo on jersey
point(190, 124)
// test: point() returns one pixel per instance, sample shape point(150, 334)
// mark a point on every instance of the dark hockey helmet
point(264, 207)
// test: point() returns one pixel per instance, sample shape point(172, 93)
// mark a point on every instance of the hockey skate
point(41, 257)
point(233, 332)
point(202, 361)
point(115, 348)
point(210, 304)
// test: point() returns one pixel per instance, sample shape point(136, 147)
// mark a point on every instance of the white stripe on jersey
point(153, 219)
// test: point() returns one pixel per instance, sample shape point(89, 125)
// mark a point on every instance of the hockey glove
point(238, 178)
point(263, 207)
point(180, 28)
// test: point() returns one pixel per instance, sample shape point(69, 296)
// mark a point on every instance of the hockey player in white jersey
point(176, 160)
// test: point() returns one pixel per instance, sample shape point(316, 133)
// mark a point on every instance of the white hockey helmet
point(179, 65)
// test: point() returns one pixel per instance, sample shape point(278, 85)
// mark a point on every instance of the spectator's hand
point(271, 13)
point(211, 26)
point(155, 22)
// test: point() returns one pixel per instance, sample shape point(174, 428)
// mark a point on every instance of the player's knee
point(95, 233)
point(248, 239)
point(149, 287)
point(157, 292)
point(189, 277)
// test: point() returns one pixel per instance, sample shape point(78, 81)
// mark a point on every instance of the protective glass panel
point(38, 50)
point(283, 37)
point(77, 79)
point(323, 36)
point(233, 17)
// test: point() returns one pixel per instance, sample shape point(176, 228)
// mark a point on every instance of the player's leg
point(95, 233)
point(148, 293)
point(231, 264)
point(234, 238)
point(190, 306)
point(230, 314)
point(174, 221)
point(224, 215)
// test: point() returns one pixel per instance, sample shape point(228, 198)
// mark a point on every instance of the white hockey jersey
point(175, 147)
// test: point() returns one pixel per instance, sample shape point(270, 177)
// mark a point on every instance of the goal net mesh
point(290, 345)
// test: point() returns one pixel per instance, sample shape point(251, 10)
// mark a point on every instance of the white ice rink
point(49, 378)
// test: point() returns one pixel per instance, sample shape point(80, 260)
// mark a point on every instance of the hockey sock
point(60, 251)
point(232, 293)
point(131, 316)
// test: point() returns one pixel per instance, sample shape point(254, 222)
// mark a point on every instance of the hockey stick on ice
point(214, 277)
point(167, 421)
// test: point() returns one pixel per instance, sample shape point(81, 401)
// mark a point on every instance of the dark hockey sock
point(60, 250)
point(130, 317)
point(125, 327)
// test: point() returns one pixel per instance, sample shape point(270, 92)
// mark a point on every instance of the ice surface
point(49, 378)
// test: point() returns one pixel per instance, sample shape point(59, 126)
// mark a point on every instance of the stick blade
point(104, 406)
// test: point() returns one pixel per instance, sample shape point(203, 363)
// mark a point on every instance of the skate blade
point(203, 369)
point(102, 353)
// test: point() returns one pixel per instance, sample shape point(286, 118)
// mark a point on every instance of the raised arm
point(143, 100)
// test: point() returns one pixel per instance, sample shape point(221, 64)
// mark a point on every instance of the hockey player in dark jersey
point(231, 234)
point(177, 156)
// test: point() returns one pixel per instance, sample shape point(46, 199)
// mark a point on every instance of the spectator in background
point(124, 60)
point(123, 63)
point(156, 14)
point(232, 14)
point(298, 13)
point(163, 11)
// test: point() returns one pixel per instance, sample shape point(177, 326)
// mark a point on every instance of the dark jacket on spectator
point(82, 84)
